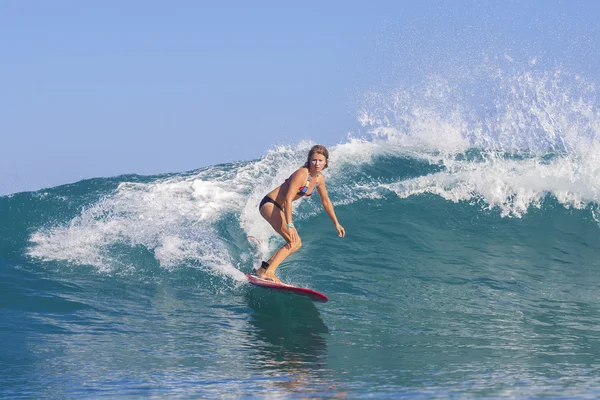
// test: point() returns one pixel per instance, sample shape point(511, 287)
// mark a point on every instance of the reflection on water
point(290, 340)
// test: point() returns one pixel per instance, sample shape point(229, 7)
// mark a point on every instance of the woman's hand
point(341, 231)
point(293, 238)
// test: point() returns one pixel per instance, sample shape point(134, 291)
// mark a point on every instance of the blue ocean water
point(470, 266)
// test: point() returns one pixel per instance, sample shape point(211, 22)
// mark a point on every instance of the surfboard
point(311, 294)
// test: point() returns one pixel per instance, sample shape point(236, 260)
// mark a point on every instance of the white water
point(496, 153)
point(539, 137)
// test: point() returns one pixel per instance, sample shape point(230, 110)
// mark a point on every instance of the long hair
point(317, 149)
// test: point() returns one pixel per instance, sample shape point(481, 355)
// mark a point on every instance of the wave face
point(470, 262)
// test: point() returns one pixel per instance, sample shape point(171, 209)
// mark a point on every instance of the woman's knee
point(296, 246)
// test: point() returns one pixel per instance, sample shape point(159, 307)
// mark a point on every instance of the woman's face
point(317, 162)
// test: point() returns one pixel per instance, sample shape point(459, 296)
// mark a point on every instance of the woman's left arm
point(322, 189)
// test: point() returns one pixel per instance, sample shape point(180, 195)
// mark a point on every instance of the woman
point(276, 207)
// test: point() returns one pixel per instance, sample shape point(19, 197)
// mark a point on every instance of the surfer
point(276, 207)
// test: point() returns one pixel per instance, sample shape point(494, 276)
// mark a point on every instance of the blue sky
point(95, 89)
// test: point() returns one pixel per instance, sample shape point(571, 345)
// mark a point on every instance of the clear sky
point(96, 89)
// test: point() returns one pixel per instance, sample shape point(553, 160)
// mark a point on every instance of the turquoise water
point(469, 270)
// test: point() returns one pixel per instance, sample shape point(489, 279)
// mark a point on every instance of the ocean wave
point(537, 137)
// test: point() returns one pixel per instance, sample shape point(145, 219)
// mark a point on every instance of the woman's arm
point(328, 206)
point(296, 180)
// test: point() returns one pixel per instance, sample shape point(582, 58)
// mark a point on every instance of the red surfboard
point(312, 294)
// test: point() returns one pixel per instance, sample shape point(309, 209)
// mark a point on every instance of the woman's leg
point(276, 219)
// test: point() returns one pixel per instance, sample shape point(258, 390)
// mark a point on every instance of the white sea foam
point(539, 137)
point(512, 186)
point(173, 217)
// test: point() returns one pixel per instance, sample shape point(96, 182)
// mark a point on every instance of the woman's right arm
point(296, 180)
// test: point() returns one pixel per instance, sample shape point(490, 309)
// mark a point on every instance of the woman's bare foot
point(272, 277)
point(260, 272)
point(264, 274)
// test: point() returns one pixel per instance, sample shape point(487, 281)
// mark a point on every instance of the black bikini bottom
point(266, 200)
